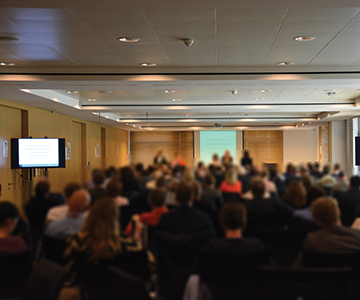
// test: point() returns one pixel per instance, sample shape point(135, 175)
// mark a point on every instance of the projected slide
point(212, 142)
point(39, 153)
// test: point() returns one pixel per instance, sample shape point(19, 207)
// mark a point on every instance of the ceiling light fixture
point(304, 38)
point(188, 42)
point(7, 64)
point(169, 91)
point(72, 92)
point(128, 39)
point(8, 39)
point(265, 91)
point(147, 64)
point(92, 100)
point(175, 100)
point(259, 99)
point(284, 63)
point(234, 92)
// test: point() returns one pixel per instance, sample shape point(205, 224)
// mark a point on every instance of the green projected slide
point(212, 142)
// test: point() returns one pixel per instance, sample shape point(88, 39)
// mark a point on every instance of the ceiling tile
point(249, 26)
point(183, 29)
point(54, 27)
point(67, 38)
point(180, 15)
point(10, 27)
point(16, 48)
point(81, 48)
point(118, 27)
point(330, 13)
point(108, 14)
point(36, 14)
point(250, 14)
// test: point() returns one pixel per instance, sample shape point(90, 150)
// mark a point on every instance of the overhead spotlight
point(234, 92)
point(188, 42)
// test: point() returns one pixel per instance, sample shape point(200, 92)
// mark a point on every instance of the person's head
point(9, 216)
point(313, 193)
point(200, 165)
point(257, 187)
point(307, 181)
point(209, 181)
point(161, 182)
point(326, 170)
point(342, 176)
point(70, 189)
point(111, 172)
point(264, 173)
point(316, 166)
point(325, 211)
point(184, 194)
point(139, 168)
point(246, 153)
point(233, 216)
point(355, 182)
point(188, 175)
point(215, 157)
point(42, 189)
point(227, 153)
point(157, 198)
point(101, 228)
point(231, 176)
point(113, 188)
point(79, 202)
point(98, 177)
point(295, 193)
point(159, 152)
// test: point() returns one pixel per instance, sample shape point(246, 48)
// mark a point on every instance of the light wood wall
point(43, 123)
point(144, 144)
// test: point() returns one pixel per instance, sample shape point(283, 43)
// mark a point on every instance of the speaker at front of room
point(357, 150)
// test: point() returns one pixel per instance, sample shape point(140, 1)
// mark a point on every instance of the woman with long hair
point(231, 184)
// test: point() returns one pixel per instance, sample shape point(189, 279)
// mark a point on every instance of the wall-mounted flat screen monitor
point(37, 153)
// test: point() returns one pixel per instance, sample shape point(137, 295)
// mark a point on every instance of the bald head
point(79, 201)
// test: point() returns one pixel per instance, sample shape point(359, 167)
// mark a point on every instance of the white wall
point(301, 146)
point(338, 143)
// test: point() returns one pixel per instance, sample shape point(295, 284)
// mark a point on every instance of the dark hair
point(160, 182)
point(139, 167)
point(341, 174)
point(257, 187)
point(113, 188)
point(157, 197)
point(315, 192)
point(183, 193)
point(233, 216)
point(326, 170)
point(42, 188)
point(71, 188)
point(355, 182)
point(98, 177)
point(209, 180)
point(7, 210)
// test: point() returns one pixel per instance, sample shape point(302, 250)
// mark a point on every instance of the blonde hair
point(188, 175)
point(231, 176)
point(100, 231)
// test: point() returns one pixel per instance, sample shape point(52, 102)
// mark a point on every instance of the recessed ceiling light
point(169, 91)
point(285, 63)
point(92, 100)
point(175, 100)
point(94, 113)
point(72, 92)
point(127, 115)
point(105, 92)
point(187, 115)
point(7, 64)
point(229, 112)
point(343, 98)
point(259, 98)
point(107, 117)
point(304, 38)
point(265, 91)
point(128, 39)
point(8, 39)
point(147, 64)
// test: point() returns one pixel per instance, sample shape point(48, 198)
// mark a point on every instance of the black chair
point(45, 281)
point(284, 245)
point(112, 284)
point(53, 249)
point(176, 255)
point(15, 270)
point(231, 197)
point(231, 277)
point(306, 283)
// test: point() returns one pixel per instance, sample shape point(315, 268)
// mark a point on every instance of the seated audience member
point(158, 209)
point(129, 183)
point(295, 195)
point(177, 161)
point(327, 181)
point(38, 206)
point(316, 172)
point(336, 171)
point(270, 186)
point(341, 187)
point(290, 174)
point(185, 219)
point(332, 236)
point(307, 182)
point(278, 180)
point(189, 177)
point(59, 212)
point(113, 190)
point(211, 195)
point(351, 198)
point(302, 217)
point(78, 204)
point(231, 184)
point(151, 184)
point(200, 172)
point(9, 217)
point(263, 207)
point(171, 192)
point(110, 174)
point(100, 244)
point(98, 178)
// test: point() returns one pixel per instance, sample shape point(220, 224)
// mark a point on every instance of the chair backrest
point(176, 255)
point(232, 276)
point(112, 284)
point(15, 270)
point(45, 281)
point(306, 283)
point(231, 197)
point(53, 249)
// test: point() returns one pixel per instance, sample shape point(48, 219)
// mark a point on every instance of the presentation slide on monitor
point(38, 153)
point(218, 142)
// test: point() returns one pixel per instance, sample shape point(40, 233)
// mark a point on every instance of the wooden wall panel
point(144, 144)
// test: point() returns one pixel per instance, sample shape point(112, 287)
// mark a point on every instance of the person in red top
point(9, 217)
point(177, 161)
point(231, 184)
point(156, 201)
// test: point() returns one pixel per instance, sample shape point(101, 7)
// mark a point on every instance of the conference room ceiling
point(68, 59)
